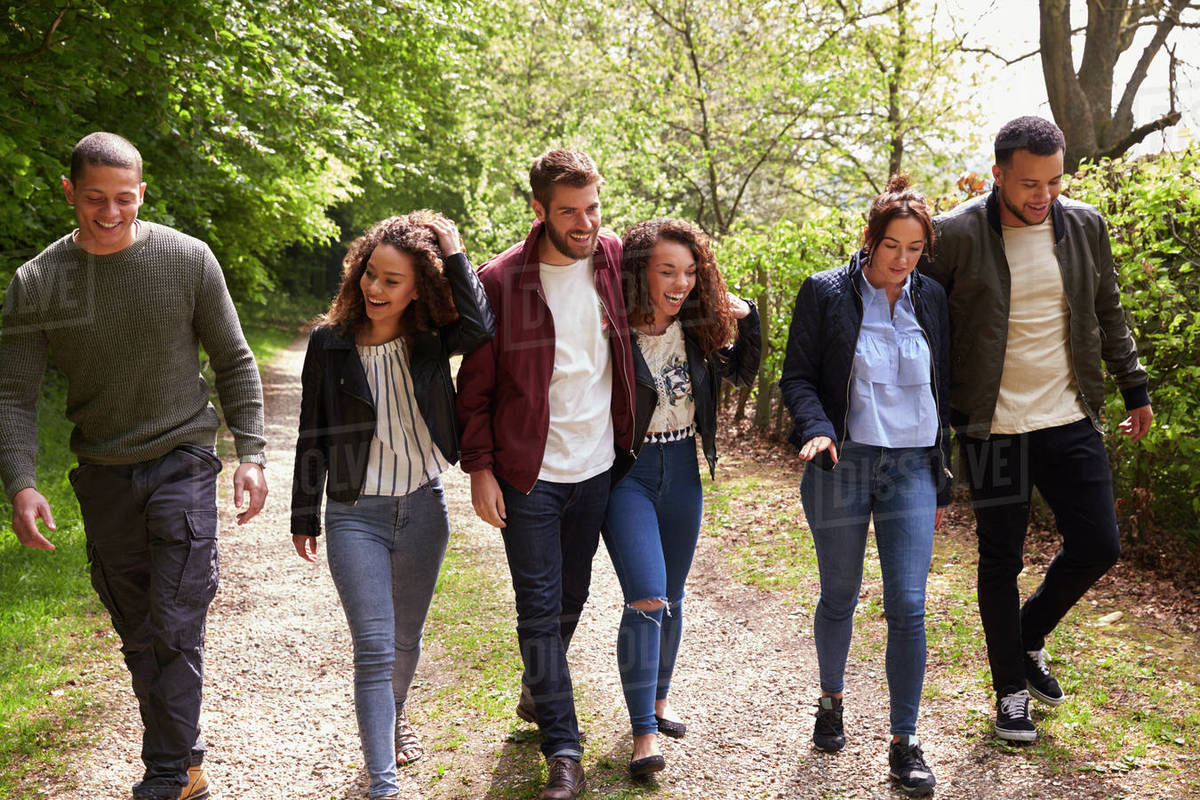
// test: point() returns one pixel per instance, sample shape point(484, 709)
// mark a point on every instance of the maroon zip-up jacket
point(504, 387)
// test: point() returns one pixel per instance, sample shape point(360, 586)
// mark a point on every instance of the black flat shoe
point(649, 765)
point(675, 730)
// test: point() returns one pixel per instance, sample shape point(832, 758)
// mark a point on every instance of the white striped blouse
point(403, 455)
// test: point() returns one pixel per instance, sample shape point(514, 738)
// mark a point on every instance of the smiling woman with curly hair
point(682, 319)
point(412, 235)
point(706, 313)
point(376, 430)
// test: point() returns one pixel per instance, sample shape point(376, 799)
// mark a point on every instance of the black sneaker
point(1039, 680)
point(909, 768)
point(1012, 717)
point(828, 734)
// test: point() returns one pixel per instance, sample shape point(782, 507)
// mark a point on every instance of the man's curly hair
point(705, 315)
point(433, 306)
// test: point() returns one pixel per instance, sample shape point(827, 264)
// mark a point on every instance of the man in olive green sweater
point(123, 307)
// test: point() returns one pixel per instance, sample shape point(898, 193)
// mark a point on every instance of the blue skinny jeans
point(896, 487)
point(384, 555)
point(650, 530)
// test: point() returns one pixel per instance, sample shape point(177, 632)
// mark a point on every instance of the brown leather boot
point(197, 785)
point(566, 781)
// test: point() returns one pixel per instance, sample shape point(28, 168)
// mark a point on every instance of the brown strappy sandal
point(408, 746)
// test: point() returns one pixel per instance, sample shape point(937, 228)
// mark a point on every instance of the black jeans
point(1069, 467)
point(550, 538)
point(152, 542)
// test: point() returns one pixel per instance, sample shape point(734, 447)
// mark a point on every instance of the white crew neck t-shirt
point(579, 444)
point(1037, 387)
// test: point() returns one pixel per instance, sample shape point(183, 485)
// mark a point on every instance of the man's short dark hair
point(567, 167)
point(102, 149)
point(1039, 136)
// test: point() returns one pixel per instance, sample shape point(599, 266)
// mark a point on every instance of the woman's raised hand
point(448, 239)
point(816, 445)
point(739, 307)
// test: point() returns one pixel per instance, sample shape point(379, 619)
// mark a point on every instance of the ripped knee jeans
point(650, 531)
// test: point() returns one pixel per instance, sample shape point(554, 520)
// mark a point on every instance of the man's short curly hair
point(705, 315)
point(1039, 136)
point(432, 307)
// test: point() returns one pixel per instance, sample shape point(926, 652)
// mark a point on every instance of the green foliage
point(1153, 210)
point(253, 118)
point(768, 264)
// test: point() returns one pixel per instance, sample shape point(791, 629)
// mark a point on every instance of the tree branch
point(46, 40)
point(1008, 62)
point(1123, 117)
point(1135, 136)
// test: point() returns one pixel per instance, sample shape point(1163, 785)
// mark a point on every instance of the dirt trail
point(279, 716)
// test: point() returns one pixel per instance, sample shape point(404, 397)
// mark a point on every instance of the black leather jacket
point(736, 362)
point(337, 414)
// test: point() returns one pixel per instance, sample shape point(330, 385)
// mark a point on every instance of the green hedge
point(1153, 210)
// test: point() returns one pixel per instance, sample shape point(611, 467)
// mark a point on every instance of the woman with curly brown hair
point(682, 318)
point(376, 430)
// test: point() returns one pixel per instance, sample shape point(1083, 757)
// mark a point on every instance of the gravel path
point(279, 711)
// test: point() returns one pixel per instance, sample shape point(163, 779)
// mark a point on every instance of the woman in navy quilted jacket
point(865, 380)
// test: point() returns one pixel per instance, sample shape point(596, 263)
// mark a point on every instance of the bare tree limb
point(1008, 62)
point(1123, 116)
point(1138, 134)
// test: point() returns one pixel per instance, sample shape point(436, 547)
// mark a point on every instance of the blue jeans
point(896, 486)
point(550, 537)
point(650, 530)
point(384, 556)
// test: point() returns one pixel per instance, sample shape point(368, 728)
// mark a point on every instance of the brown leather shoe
point(197, 785)
point(566, 781)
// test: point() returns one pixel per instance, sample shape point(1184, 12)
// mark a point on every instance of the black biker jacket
point(338, 416)
point(736, 362)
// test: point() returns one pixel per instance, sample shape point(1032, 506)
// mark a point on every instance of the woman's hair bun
point(897, 183)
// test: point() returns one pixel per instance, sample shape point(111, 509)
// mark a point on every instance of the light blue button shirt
point(891, 399)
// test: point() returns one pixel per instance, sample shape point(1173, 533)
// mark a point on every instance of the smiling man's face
point(1028, 185)
point(106, 201)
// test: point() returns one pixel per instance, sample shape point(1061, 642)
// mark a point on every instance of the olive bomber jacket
point(969, 261)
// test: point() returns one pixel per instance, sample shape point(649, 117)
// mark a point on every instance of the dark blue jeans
point(151, 531)
point(895, 487)
point(1069, 467)
point(550, 537)
point(650, 531)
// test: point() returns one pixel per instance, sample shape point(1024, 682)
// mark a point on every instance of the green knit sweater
point(125, 329)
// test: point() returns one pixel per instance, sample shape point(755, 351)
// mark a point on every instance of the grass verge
point(57, 649)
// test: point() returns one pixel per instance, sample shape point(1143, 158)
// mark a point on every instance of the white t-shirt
point(1037, 387)
point(579, 444)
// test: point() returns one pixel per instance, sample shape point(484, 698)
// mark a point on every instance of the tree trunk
point(1068, 103)
point(895, 82)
